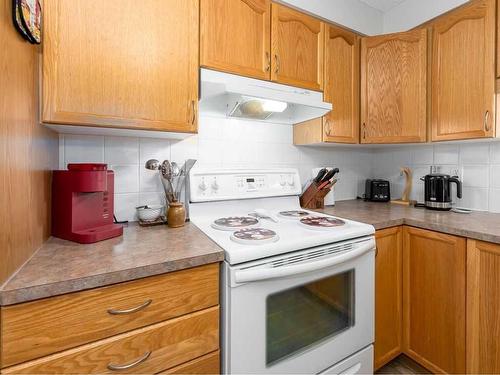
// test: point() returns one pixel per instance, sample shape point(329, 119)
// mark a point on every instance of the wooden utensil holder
point(313, 197)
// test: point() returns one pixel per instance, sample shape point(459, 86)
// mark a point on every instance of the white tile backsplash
point(477, 164)
point(121, 150)
point(494, 204)
point(475, 153)
point(245, 144)
point(446, 154)
point(475, 176)
point(83, 149)
point(219, 143)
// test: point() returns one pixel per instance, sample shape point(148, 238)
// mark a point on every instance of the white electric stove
point(297, 286)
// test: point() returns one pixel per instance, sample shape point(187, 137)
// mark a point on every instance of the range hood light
point(274, 106)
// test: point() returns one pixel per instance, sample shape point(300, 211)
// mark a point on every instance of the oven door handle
point(258, 274)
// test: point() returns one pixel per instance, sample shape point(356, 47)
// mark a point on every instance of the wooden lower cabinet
point(388, 295)
point(483, 308)
point(173, 332)
point(208, 364)
point(434, 299)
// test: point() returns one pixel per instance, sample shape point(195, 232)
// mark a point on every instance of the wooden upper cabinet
point(121, 63)
point(235, 36)
point(297, 44)
point(483, 305)
point(434, 300)
point(463, 73)
point(388, 295)
point(394, 88)
point(342, 59)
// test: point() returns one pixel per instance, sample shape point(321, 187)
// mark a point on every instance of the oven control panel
point(211, 185)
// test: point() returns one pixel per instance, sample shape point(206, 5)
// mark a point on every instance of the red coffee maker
point(82, 203)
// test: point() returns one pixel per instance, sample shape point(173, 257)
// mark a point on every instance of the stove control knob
point(215, 185)
point(202, 185)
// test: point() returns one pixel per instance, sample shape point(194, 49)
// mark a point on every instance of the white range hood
point(232, 96)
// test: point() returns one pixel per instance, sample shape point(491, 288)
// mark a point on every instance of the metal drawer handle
point(132, 310)
point(364, 130)
point(193, 107)
point(129, 365)
point(328, 128)
point(268, 62)
point(486, 121)
point(277, 58)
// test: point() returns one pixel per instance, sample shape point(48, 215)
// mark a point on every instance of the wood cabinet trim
point(101, 110)
point(212, 50)
point(74, 319)
point(373, 133)
point(279, 14)
point(391, 259)
point(478, 9)
point(483, 302)
point(155, 338)
point(458, 339)
point(353, 90)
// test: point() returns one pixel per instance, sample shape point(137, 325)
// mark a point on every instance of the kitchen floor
point(402, 365)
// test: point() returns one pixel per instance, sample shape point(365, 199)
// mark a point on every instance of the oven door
point(299, 313)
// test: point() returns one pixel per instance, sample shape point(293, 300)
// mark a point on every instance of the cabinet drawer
point(36, 329)
point(206, 365)
point(143, 351)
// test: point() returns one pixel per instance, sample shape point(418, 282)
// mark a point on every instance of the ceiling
point(383, 5)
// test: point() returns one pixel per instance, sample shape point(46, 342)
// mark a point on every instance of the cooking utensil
point(153, 165)
point(264, 214)
point(320, 175)
point(330, 174)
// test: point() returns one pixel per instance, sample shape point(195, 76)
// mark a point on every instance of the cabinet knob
point(268, 62)
point(364, 130)
point(277, 58)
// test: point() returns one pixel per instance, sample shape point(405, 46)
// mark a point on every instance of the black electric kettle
point(438, 191)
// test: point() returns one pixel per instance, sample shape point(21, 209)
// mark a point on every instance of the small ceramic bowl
point(149, 213)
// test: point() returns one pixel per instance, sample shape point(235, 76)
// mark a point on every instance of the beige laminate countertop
point(61, 266)
point(482, 226)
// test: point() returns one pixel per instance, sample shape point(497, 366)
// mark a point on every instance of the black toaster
point(377, 191)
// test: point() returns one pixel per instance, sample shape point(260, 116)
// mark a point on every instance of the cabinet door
point(483, 306)
point(388, 295)
point(394, 88)
point(434, 269)
point(121, 63)
point(297, 44)
point(235, 36)
point(463, 73)
point(342, 58)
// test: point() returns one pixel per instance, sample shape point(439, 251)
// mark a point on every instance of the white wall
point(411, 13)
point(477, 165)
point(220, 143)
point(349, 13)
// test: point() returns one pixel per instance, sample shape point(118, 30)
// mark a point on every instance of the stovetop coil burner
point(254, 236)
point(321, 222)
point(233, 223)
point(294, 214)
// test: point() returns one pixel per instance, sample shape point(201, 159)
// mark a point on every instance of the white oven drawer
point(359, 363)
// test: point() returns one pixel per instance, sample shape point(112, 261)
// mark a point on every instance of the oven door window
point(306, 315)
